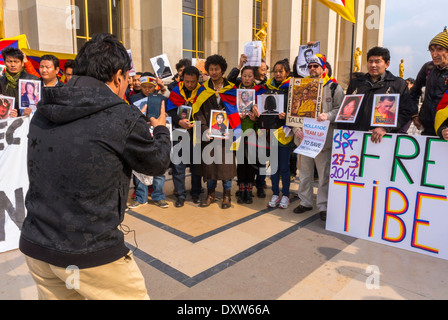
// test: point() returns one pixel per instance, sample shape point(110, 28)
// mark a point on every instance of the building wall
point(153, 27)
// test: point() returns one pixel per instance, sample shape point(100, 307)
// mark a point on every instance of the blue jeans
point(157, 185)
point(141, 191)
point(226, 184)
point(284, 153)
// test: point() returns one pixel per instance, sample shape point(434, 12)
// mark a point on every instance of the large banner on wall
point(393, 193)
point(13, 180)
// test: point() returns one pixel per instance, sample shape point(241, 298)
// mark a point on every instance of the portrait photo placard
point(385, 110)
point(162, 67)
point(184, 112)
point(6, 106)
point(349, 109)
point(219, 124)
point(29, 94)
point(270, 104)
point(245, 100)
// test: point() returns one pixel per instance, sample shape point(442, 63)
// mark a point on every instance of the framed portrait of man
point(303, 58)
point(305, 97)
point(219, 124)
point(385, 110)
point(245, 100)
point(349, 109)
point(29, 94)
point(162, 67)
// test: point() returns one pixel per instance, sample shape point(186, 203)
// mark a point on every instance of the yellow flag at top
point(345, 8)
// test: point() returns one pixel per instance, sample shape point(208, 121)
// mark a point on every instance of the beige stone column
point(285, 31)
point(235, 29)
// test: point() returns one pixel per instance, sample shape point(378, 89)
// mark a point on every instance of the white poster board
point(13, 180)
point(394, 192)
point(315, 135)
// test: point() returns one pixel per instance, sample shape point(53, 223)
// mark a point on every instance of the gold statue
point(262, 36)
point(357, 59)
point(401, 71)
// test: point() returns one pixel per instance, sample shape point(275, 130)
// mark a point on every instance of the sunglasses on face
point(313, 66)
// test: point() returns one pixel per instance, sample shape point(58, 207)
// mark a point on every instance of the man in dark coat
point(378, 80)
point(84, 142)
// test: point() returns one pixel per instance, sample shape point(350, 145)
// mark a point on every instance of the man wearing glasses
point(332, 98)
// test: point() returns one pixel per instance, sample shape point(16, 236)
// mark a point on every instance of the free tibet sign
point(393, 193)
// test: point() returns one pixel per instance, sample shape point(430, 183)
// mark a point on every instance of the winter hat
point(441, 39)
point(319, 59)
point(148, 79)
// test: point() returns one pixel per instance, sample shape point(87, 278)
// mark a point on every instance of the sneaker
point(284, 203)
point(274, 201)
point(161, 204)
point(135, 204)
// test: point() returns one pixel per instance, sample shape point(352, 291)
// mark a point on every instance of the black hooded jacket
point(84, 142)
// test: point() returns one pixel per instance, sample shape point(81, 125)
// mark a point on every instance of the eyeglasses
point(313, 66)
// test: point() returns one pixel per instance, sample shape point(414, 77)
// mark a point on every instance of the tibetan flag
point(18, 42)
point(442, 112)
point(177, 97)
point(34, 57)
point(228, 98)
point(345, 8)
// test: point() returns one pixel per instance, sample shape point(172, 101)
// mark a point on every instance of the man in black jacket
point(84, 142)
point(378, 80)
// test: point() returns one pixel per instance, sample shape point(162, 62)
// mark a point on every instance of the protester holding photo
point(279, 84)
point(378, 80)
point(14, 62)
point(332, 97)
point(218, 94)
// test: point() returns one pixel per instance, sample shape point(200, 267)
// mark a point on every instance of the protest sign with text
point(392, 193)
point(315, 135)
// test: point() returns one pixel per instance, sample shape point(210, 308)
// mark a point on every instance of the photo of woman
point(349, 109)
point(29, 94)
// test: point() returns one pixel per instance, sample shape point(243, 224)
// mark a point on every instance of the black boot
point(249, 195)
point(242, 194)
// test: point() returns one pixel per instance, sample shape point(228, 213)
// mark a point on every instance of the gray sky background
point(409, 27)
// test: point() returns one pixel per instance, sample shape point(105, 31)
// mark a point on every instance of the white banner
point(393, 193)
point(13, 180)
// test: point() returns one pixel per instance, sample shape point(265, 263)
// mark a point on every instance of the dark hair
point(13, 53)
point(69, 64)
point(379, 52)
point(183, 63)
point(101, 58)
point(350, 100)
point(216, 60)
point(389, 98)
point(330, 69)
point(191, 71)
point(50, 57)
point(285, 64)
point(254, 70)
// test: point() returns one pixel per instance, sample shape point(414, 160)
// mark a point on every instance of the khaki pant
point(119, 280)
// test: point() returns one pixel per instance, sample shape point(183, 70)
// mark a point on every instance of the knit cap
point(441, 39)
point(319, 59)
